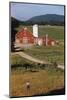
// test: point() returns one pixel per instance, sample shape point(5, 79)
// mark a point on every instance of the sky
point(23, 11)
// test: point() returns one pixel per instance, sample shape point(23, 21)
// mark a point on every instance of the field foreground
point(41, 82)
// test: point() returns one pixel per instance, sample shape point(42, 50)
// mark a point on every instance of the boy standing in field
point(28, 87)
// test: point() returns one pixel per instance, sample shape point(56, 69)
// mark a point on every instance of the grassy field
point(55, 32)
point(51, 54)
point(41, 80)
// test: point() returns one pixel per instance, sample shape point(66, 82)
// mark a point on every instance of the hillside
point(48, 19)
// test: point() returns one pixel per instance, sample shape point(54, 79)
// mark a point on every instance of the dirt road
point(24, 55)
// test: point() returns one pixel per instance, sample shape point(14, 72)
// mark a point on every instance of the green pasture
point(49, 53)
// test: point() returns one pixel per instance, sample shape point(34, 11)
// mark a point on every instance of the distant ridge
point(47, 17)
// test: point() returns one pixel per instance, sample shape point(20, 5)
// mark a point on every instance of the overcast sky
point(24, 11)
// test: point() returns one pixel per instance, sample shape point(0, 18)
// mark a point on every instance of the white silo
point(35, 30)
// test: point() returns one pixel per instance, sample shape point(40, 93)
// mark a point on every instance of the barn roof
point(24, 33)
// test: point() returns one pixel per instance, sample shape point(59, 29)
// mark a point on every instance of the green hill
point(51, 19)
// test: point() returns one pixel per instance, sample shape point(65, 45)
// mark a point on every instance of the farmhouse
point(27, 38)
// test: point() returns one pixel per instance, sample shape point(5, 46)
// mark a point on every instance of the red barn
point(24, 36)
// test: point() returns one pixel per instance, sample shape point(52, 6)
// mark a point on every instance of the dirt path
point(24, 55)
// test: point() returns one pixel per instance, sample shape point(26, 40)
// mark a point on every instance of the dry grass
point(41, 82)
